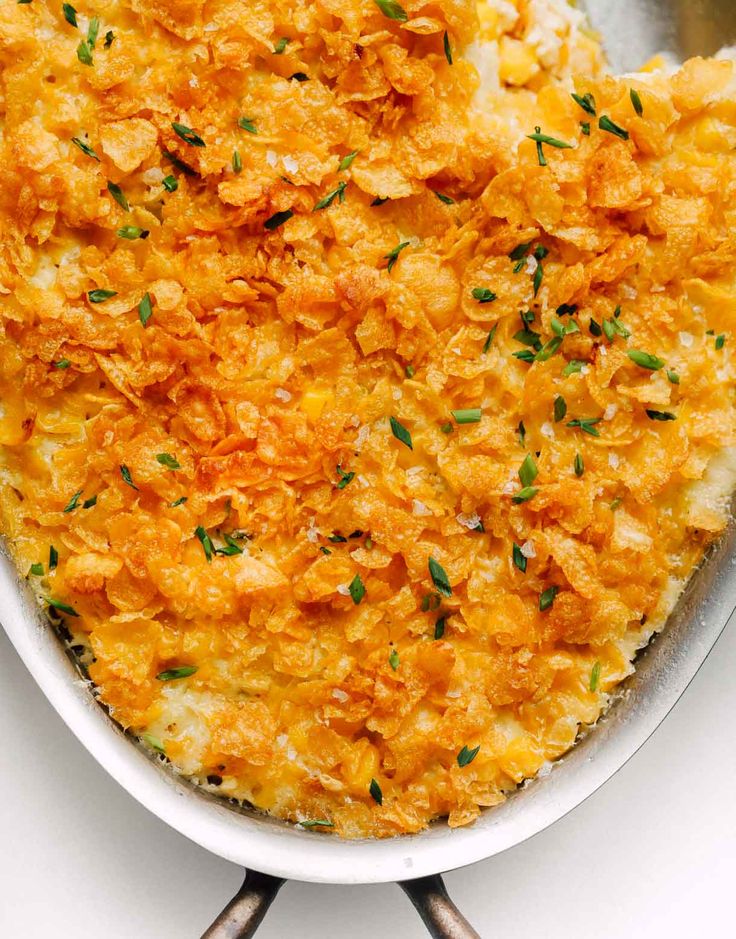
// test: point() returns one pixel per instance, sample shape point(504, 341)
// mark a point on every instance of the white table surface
point(652, 854)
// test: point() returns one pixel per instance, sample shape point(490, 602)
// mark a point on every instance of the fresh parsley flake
point(595, 328)
point(447, 428)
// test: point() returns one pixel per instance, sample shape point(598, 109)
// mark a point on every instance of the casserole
point(664, 672)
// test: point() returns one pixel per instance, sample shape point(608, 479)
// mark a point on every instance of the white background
point(652, 854)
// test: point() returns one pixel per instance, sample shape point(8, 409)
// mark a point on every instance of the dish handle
point(244, 913)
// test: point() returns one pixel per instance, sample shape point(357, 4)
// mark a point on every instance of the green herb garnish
point(401, 433)
point(237, 163)
point(118, 195)
point(660, 415)
point(605, 123)
point(206, 542)
point(587, 425)
point(586, 102)
point(489, 339)
point(483, 295)
point(145, 309)
point(85, 148)
point(447, 200)
point(528, 471)
point(595, 675)
point(374, 788)
point(53, 558)
point(560, 408)
point(520, 561)
point(99, 296)
point(170, 183)
point(73, 502)
point(539, 138)
point(84, 53)
point(36, 570)
point(636, 101)
point(467, 415)
point(169, 461)
point(281, 45)
point(392, 10)
point(277, 220)
point(59, 607)
point(393, 255)
point(345, 478)
point(70, 14)
point(439, 577)
point(578, 465)
point(466, 755)
point(316, 823)
point(645, 359)
point(132, 232)
point(90, 503)
point(439, 627)
point(180, 671)
point(187, 134)
point(447, 47)
point(62, 364)
point(547, 598)
point(357, 589)
point(393, 659)
point(326, 201)
point(127, 478)
point(347, 161)
point(524, 495)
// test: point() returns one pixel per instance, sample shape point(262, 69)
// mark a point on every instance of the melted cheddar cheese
point(357, 440)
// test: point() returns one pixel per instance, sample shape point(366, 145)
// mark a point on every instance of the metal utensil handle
point(245, 912)
point(439, 914)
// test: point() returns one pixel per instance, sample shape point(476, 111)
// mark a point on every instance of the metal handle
point(245, 912)
point(439, 914)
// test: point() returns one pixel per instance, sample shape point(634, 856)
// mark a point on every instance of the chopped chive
point(316, 823)
point(521, 431)
point(237, 163)
point(595, 676)
point(118, 195)
point(578, 465)
point(85, 148)
point(277, 220)
point(443, 198)
point(374, 788)
point(281, 45)
point(357, 589)
point(483, 295)
point(467, 415)
point(299, 77)
point(127, 478)
point(187, 134)
point(528, 471)
point(92, 31)
point(401, 433)
point(489, 339)
point(70, 14)
point(519, 559)
point(326, 201)
point(62, 364)
point(548, 349)
point(391, 9)
point(585, 128)
point(439, 577)
point(90, 503)
point(53, 558)
point(615, 504)
point(132, 232)
point(73, 502)
point(560, 408)
point(180, 671)
point(347, 161)
point(520, 251)
point(393, 659)
point(379, 201)
point(539, 138)
point(231, 547)
point(179, 164)
point(99, 296)
point(393, 255)
point(466, 755)
point(325, 550)
point(524, 495)
point(447, 47)
point(247, 123)
point(720, 341)
point(180, 501)
point(573, 367)
point(605, 123)
point(636, 101)
point(587, 425)
point(206, 542)
point(673, 377)
point(145, 309)
point(169, 461)
point(170, 183)
point(660, 415)
point(154, 743)
point(439, 627)
point(447, 428)
point(431, 601)
point(645, 359)
point(59, 607)
point(586, 102)
point(109, 37)
point(36, 570)
point(345, 478)
point(84, 53)
point(595, 328)
point(547, 598)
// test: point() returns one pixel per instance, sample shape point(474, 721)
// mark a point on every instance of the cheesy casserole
point(366, 380)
